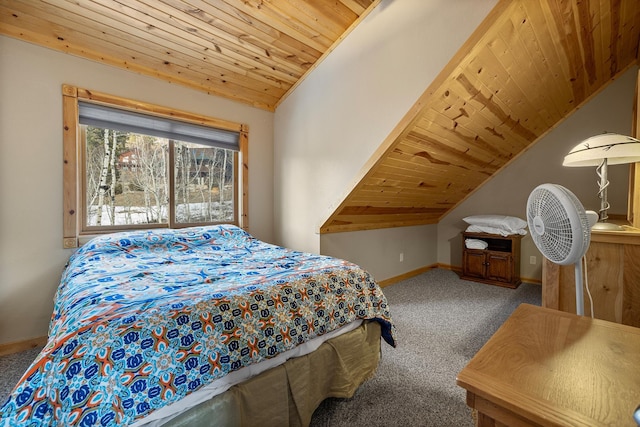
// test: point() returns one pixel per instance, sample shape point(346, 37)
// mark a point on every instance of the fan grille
point(558, 223)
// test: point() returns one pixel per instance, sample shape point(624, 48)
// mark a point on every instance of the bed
point(198, 325)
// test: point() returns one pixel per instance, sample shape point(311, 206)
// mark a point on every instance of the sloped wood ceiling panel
point(252, 51)
point(528, 66)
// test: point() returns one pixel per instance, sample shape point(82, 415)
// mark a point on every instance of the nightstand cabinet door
point(474, 264)
point(499, 267)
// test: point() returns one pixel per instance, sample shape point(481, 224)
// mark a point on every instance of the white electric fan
point(561, 229)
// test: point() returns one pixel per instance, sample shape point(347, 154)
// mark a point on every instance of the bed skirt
point(287, 395)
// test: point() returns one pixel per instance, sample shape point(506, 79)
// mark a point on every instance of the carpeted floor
point(441, 323)
point(12, 367)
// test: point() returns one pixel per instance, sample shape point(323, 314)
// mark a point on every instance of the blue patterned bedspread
point(143, 318)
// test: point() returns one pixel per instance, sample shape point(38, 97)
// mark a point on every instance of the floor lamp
point(601, 151)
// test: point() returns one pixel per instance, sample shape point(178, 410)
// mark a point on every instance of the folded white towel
point(475, 244)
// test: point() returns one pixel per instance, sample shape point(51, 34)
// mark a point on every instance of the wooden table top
point(557, 368)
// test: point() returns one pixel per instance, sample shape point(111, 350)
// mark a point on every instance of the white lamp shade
point(616, 148)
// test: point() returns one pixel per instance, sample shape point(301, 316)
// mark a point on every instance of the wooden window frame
point(73, 181)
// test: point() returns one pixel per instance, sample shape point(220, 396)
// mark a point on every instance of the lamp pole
point(601, 170)
point(603, 183)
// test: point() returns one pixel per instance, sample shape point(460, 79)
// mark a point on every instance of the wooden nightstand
point(499, 264)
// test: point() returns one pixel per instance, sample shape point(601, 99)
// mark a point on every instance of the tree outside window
point(131, 165)
point(128, 181)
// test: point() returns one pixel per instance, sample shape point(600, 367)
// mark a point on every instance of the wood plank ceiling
point(252, 51)
point(528, 66)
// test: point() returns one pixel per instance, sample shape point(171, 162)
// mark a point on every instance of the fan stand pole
point(579, 292)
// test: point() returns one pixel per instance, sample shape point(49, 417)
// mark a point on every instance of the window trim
point(72, 156)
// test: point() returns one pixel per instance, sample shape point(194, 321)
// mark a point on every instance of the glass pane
point(126, 178)
point(203, 183)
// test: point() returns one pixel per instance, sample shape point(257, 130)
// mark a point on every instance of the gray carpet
point(12, 367)
point(441, 323)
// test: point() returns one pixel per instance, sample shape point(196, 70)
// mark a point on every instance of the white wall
point(31, 254)
point(507, 192)
point(378, 251)
point(332, 123)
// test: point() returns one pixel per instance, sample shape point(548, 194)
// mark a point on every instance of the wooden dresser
point(613, 274)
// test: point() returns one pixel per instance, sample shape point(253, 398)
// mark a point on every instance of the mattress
point(288, 394)
point(221, 385)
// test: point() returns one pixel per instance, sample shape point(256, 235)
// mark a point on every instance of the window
point(129, 165)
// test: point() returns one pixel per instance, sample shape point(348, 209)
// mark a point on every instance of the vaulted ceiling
point(529, 65)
